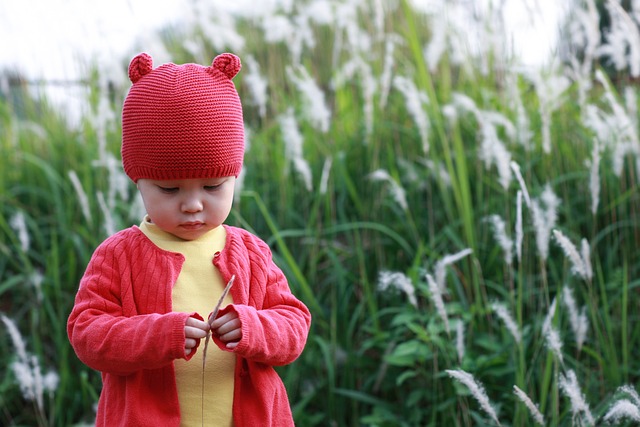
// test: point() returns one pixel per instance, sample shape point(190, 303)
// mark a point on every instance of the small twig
point(211, 318)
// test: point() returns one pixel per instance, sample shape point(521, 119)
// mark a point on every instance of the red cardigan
point(122, 325)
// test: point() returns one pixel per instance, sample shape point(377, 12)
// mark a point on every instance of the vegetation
point(463, 230)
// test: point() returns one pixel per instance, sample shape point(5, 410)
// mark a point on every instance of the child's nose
point(192, 204)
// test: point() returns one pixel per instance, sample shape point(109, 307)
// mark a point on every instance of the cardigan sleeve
point(275, 327)
point(113, 332)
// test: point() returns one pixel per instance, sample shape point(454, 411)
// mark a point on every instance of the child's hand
point(228, 329)
point(194, 330)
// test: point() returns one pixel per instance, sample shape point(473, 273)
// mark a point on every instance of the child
point(140, 308)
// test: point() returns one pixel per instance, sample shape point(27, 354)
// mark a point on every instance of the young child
point(139, 314)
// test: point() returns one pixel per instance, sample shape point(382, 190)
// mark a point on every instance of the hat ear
point(140, 66)
point(228, 63)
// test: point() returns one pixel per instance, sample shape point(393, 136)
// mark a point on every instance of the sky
point(53, 40)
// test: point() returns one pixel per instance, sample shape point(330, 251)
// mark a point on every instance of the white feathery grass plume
point(415, 99)
point(615, 130)
point(585, 253)
point(548, 319)
point(27, 370)
point(583, 36)
point(533, 408)
point(523, 133)
point(625, 408)
point(218, 25)
point(102, 118)
point(19, 226)
point(577, 318)
point(438, 43)
point(523, 187)
point(631, 392)
point(500, 234)
point(503, 313)
point(618, 128)
point(399, 281)
point(464, 103)
point(492, 150)
point(396, 189)
point(554, 343)
point(324, 179)
point(551, 333)
point(519, 229)
point(601, 123)
point(293, 142)
point(109, 223)
point(594, 177)
point(550, 90)
point(623, 40)
point(579, 266)
point(320, 12)
point(387, 69)
point(277, 28)
point(579, 407)
point(16, 338)
point(82, 196)
point(303, 36)
point(436, 297)
point(257, 84)
point(118, 180)
point(621, 410)
point(137, 208)
point(316, 108)
point(544, 212)
point(460, 348)
point(477, 391)
point(36, 279)
point(440, 271)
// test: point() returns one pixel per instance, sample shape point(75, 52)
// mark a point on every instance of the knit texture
point(182, 121)
point(122, 325)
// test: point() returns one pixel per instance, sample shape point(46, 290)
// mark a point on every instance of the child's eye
point(168, 190)
point(211, 187)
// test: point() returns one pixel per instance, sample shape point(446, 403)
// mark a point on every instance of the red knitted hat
point(182, 121)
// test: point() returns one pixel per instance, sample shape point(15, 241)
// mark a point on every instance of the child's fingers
point(189, 343)
point(192, 332)
point(233, 335)
point(223, 319)
point(227, 327)
point(196, 323)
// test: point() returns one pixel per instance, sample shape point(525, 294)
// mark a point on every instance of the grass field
point(463, 229)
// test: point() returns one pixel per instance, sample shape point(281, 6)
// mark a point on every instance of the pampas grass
point(579, 407)
point(580, 262)
point(477, 391)
point(532, 407)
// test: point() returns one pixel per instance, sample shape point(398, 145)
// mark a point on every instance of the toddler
point(139, 314)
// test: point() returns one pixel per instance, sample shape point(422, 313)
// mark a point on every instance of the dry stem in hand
point(213, 316)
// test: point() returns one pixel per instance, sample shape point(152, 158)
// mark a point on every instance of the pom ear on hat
point(228, 63)
point(140, 65)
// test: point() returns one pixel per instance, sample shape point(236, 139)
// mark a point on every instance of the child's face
point(187, 208)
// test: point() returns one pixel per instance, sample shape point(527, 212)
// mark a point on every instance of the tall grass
point(431, 215)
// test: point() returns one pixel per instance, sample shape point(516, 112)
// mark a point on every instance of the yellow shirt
point(198, 288)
